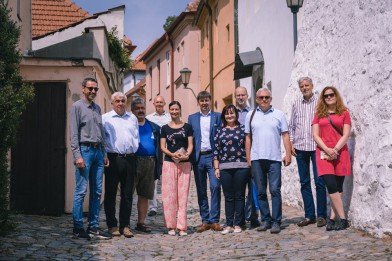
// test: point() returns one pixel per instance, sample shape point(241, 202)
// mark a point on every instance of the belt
point(146, 157)
point(121, 155)
point(205, 152)
point(94, 145)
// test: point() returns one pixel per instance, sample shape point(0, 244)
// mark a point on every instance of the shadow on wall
point(348, 186)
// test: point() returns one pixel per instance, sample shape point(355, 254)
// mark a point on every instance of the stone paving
point(50, 238)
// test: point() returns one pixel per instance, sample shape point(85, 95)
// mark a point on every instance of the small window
point(168, 68)
point(228, 32)
point(18, 10)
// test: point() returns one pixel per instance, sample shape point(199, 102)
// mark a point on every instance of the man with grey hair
point(160, 117)
point(148, 161)
point(122, 141)
point(264, 127)
point(304, 149)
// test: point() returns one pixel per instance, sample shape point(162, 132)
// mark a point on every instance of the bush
point(14, 96)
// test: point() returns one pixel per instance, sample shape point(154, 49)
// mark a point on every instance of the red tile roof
point(51, 15)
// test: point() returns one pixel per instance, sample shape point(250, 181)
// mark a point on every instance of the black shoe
point(330, 225)
point(275, 229)
point(343, 224)
point(80, 233)
point(152, 213)
point(306, 221)
point(254, 223)
point(96, 233)
point(321, 222)
point(264, 226)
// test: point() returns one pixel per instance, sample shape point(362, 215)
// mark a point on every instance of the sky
point(143, 19)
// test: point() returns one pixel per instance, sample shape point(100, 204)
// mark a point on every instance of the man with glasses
point(148, 162)
point(122, 141)
point(241, 97)
point(263, 153)
point(89, 153)
point(304, 149)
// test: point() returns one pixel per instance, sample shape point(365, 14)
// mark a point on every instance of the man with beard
point(122, 140)
point(148, 162)
point(89, 153)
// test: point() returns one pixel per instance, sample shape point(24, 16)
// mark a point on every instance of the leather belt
point(121, 155)
point(94, 145)
point(205, 152)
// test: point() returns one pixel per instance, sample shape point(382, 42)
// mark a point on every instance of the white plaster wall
point(348, 44)
point(268, 25)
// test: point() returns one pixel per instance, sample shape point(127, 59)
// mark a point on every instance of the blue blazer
point(194, 121)
point(156, 130)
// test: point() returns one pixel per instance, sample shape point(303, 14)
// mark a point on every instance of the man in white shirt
point(160, 118)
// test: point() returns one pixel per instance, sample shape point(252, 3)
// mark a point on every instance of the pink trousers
point(175, 189)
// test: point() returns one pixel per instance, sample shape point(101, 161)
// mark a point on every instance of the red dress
point(342, 165)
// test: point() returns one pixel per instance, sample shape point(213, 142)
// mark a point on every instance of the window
point(159, 76)
point(150, 73)
point(168, 68)
point(18, 10)
point(228, 32)
point(183, 54)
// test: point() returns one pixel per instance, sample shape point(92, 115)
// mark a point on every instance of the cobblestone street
point(50, 238)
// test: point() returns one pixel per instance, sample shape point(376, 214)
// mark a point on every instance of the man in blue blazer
point(204, 124)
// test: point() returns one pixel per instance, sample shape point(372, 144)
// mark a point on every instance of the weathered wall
point(347, 43)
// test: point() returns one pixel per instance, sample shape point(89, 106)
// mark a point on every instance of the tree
point(14, 96)
point(169, 21)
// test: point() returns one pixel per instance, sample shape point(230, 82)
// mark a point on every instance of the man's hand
point(293, 151)
point(79, 163)
point(106, 162)
point(287, 160)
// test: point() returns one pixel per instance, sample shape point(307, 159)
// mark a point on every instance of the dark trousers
point(121, 170)
point(234, 184)
point(251, 214)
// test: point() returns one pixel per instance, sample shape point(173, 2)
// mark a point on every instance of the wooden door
point(38, 159)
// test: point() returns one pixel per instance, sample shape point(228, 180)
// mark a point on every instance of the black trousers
point(121, 170)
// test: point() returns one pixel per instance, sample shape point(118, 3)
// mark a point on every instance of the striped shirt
point(300, 126)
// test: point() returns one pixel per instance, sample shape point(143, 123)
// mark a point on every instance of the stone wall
point(348, 44)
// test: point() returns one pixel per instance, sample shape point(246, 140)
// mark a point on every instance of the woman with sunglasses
point(331, 130)
point(177, 144)
point(231, 167)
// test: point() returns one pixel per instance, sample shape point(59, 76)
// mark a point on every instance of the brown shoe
point(216, 227)
point(114, 231)
point(321, 222)
point(203, 228)
point(306, 222)
point(126, 232)
point(142, 228)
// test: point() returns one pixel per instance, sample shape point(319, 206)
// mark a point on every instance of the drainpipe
point(211, 45)
point(171, 66)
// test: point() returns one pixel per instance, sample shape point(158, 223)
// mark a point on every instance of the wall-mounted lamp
point(295, 5)
point(185, 76)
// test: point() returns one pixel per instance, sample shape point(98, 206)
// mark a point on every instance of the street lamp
point(295, 5)
point(185, 76)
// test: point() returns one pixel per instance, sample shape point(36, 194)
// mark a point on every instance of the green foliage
point(117, 52)
point(14, 96)
point(169, 20)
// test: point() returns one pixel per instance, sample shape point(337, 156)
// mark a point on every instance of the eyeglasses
point(92, 88)
point(263, 97)
point(329, 95)
point(118, 101)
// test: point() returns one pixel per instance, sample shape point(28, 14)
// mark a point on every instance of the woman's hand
point(217, 173)
point(332, 154)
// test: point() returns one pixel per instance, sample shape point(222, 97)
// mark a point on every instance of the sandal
point(142, 228)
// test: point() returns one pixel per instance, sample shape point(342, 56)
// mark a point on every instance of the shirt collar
point(114, 114)
point(159, 115)
point(310, 100)
point(205, 115)
point(269, 110)
point(247, 108)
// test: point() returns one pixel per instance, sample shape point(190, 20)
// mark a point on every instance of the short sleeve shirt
point(326, 132)
point(176, 138)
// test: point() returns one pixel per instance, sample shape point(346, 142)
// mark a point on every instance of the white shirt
point(121, 132)
point(159, 119)
point(205, 123)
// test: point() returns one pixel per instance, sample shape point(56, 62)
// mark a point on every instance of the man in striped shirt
point(304, 149)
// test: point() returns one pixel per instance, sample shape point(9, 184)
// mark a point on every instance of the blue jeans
point(93, 173)
point(234, 184)
point(201, 170)
point(268, 172)
point(303, 162)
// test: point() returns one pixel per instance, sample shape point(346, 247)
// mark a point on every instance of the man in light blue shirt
point(263, 153)
point(122, 141)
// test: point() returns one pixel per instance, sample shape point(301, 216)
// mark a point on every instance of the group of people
point(233, 150)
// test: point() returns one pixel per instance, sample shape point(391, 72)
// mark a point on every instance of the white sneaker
point(183, 233)
point(237, 230)
point(172, 232)
point(227, 230)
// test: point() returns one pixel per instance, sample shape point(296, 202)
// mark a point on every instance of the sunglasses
point(329, 95)
point(263, 97)
point(92, 88)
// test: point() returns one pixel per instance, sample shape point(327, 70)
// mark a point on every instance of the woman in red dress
point(331, 130)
